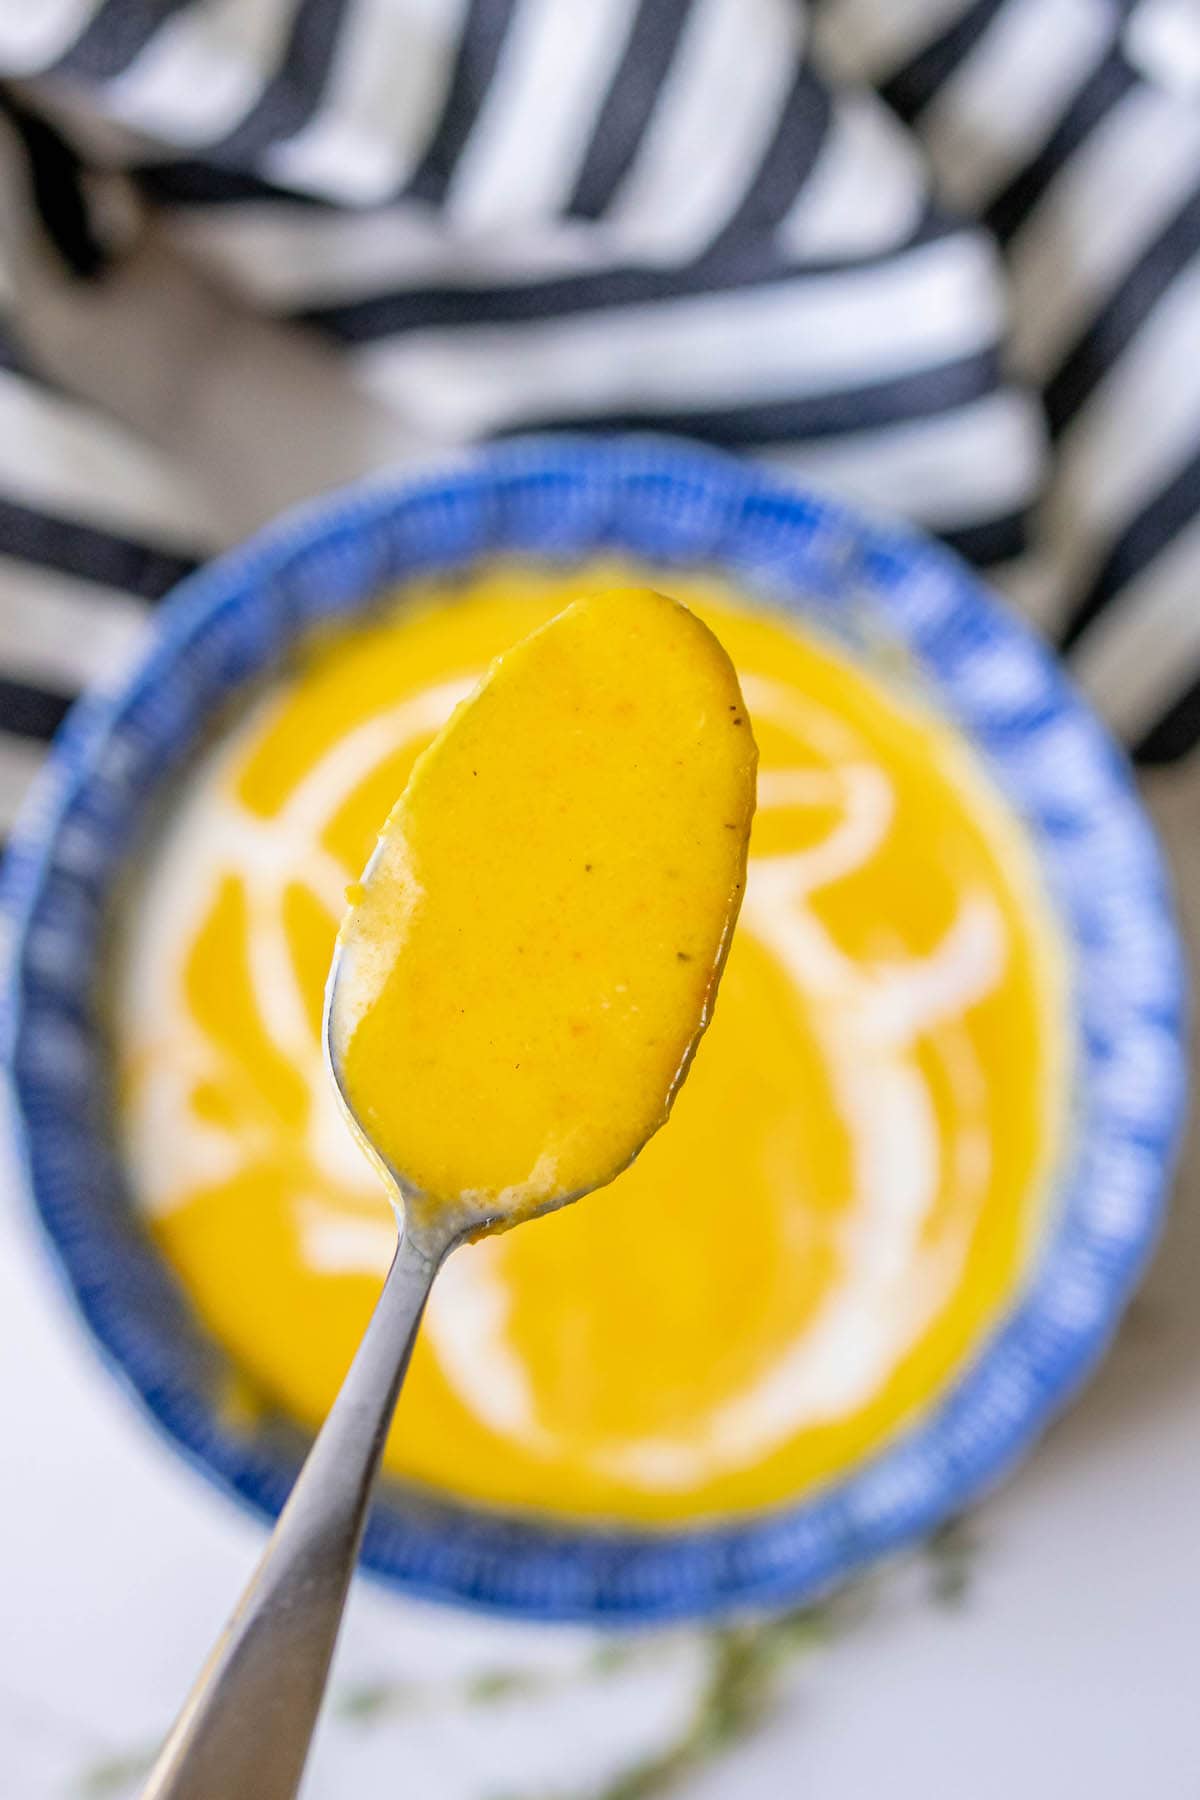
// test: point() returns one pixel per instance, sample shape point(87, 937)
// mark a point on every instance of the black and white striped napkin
point(942, 257)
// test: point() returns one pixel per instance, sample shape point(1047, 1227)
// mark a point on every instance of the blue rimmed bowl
point(561, 500)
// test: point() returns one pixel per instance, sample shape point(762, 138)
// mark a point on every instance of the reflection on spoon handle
point(246, 1726)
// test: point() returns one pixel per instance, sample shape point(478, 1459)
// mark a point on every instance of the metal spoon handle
point(245, 1728)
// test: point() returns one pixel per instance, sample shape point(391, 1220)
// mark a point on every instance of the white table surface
point(1071, 1667)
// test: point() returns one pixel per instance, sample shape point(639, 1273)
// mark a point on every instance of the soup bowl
point(561, 501)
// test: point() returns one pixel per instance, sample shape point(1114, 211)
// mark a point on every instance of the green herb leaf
point(111, 1776)
point(952, 1551)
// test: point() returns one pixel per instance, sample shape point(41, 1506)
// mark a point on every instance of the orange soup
point(842, 1201)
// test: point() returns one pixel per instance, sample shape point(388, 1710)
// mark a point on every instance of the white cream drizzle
point(869, 1017)
point(211, 836)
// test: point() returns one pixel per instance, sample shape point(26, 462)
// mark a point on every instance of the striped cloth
point(941, 257)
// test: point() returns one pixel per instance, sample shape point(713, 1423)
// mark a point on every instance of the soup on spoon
point(518, 988)
point(529, 961)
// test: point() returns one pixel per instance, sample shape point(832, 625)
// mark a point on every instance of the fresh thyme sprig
point(744, 1677)
point(744, 1665)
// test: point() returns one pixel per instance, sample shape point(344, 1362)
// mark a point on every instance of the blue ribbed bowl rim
point(561, 499)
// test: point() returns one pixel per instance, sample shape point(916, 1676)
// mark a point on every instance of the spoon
point(245, 1729)
point(630, 829)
